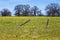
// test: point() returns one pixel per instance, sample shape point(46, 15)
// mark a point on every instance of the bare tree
point(5, 12)
point(21, 10)
point(18, 10)
point(34, 10)
point(26, 10)
point(53, 9)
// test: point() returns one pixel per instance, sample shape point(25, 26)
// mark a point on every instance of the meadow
point(35, 29)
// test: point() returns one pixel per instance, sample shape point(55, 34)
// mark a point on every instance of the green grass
point(10, 28)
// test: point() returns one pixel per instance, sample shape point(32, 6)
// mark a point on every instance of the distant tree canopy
point(34, 10)
point(5, 12)
point(22, 10)
point(53, 9)
point(25, 10)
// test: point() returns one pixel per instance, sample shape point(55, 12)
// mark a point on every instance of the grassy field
point(35, 29)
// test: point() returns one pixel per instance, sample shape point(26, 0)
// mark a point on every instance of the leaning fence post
point(25, 22)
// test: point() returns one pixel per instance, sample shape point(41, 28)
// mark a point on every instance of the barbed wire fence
point(18, 28)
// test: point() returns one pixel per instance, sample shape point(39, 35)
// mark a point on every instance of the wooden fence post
point(47, 23)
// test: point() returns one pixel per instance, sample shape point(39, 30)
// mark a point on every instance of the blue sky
point(41, 4)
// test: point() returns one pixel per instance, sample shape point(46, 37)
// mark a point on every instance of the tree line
point(52, 9)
